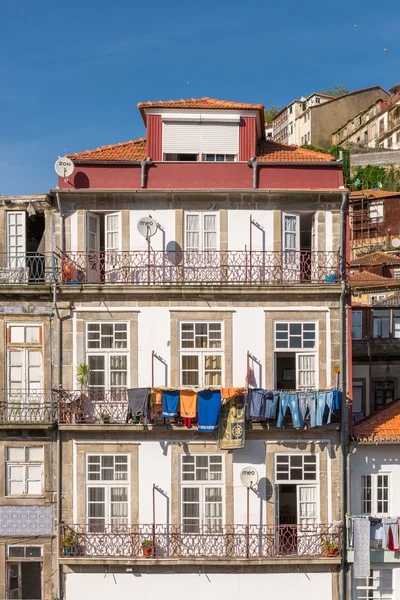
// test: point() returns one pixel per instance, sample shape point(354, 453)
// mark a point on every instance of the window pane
point(16, 488)
point(35, 453)
point(16, 453)
point(33, 551)
point(190, 370)
point(16, 334)
point(16, 551)
point(32, 335)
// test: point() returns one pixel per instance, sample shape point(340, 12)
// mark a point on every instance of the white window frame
point(299, 352)
point(396, 272)
point(202, 484)
point(303, 481)
point(215, 154)
point(24, 348)
point(107, 484)
point(368, 588)
point(12, 560)
point(376, 211)
point(201, 216)
point(107, 353)
point(24, 464)
point(201, 353)
point(377, 318)
point(302, 348)
point(374, 494)
point(356, 325)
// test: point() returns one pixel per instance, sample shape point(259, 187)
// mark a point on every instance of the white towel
point(361, 547)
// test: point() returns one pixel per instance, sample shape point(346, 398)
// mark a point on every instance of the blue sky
point(72, 73)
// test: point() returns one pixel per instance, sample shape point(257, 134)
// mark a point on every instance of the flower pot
point(147, 551)
point(106, 419)
point(68, 551)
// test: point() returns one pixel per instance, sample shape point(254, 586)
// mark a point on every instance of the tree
point(336, 90)
point(335, 151)
point(270, 112)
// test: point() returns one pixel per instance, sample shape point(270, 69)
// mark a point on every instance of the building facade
point(285, 124)
point(201, 260)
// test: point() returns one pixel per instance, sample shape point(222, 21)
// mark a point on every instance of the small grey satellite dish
point(396, 242)
point(64, 167)
point(379, 184)
point(249, 477)
point(147, 227)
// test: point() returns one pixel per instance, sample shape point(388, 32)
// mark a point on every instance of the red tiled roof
point(370, 281)
point(383, 426)
point(271, 151)
point(201, 103)
point(132, 150)
point(375, 259)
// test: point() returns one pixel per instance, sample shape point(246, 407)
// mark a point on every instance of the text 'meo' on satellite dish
point(147, 227)
point(249, 477)
point(64, 166)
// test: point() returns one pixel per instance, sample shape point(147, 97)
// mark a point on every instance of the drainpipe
point(344, 425)
point(144, 164)
point(253, 163)
point(61, 222)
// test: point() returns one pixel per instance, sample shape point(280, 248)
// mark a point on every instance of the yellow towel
point(230, 392)
point(155, 402)
point(188, 403)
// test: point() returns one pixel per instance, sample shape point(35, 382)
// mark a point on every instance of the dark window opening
point(384, 393)
point(182, 157)
point(25, 580)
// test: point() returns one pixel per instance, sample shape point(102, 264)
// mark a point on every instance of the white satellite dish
point(147, 227)
point(380, 186)
point(396, 242)
point(249, 477)
point(64, 167)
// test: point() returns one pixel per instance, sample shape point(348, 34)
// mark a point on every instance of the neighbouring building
point(375, 497)
point(201, 262)
point(375, 126)
point(285, 124)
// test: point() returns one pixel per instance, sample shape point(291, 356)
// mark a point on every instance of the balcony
point(27, 268)
point(27, 408)
point(177, 268)
point(225, 542)
point(378, 554)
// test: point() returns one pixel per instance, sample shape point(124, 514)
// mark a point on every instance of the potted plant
point(330, 548)
point(105, 416)
point(68, 542)
point(148, 547)
point(82, 377)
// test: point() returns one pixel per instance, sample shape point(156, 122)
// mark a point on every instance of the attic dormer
point(202, 130)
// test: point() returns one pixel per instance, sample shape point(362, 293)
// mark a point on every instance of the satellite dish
point(147, 227)
point(396, 242)
point(64, 167)
point(379, 185)
point(249, 477)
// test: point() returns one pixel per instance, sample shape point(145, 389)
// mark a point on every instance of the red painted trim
point(247, 138)
point(154, 137)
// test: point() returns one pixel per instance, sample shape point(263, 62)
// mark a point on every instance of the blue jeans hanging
point(307, 400)
point(289, 400)
point(270, 404)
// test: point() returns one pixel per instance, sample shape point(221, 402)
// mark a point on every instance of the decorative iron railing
point(24, 407)
point(193, 267)
point(92, 406)
point(188, 542)
point(17, 269)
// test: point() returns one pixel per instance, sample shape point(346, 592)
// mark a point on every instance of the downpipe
point(143, 174)
point(254, 164)
point(344, 420)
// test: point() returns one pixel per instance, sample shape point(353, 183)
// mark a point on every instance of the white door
point(202, 521)
point(112, 226)
point(290, 247)
point(93, 266)
point(24, 384)
point(16, 245)
point(305, 371)
point(201, 257)
point(308, 541)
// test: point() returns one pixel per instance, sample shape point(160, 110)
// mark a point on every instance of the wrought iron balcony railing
point(25, 407)
point(17, 269)
point(92, 406)
point(189, 542)
point(193, 267)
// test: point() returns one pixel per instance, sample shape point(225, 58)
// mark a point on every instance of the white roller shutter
point(181, 138)
point(220, 138)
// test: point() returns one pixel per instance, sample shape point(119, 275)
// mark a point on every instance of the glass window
point(107, 356)
point(24, 470)
point(201, 354)
point(378, 586)
point(296, 336)
point(384, 393)
point(295, 467)
point(380, 323)
point(396, 324)
point(106, 336)
point(356, 324)
point(201, 491)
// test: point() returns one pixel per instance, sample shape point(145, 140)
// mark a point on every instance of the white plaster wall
point(154, 331)
point(197, 586)
point(248, 335)
point(253, 454)
point(373, 459)
point(154, 468)
point(164, 236)
point(239, 229)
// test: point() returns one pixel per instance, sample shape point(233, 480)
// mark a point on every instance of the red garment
point(187, 422)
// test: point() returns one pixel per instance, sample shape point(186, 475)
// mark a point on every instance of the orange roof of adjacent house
point(375, 259)
point(365, 279)
point(383, 426)
point(135, 150)
point(201, 103)
point(372, 194)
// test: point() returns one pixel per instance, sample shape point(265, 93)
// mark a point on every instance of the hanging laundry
point(307, 402)
point(361, 532)
point(170, 399)
point(289, 400)
point(255, 403)
point(324, 399)
point(155, 402)
point(336, 400)
point(230, 392)
point(138, 403)
point(270, 404)
point(187, 404)
point(209, 406)
point(231, 425)
point(390, 537)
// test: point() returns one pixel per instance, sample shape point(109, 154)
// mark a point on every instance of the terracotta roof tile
point(372, 194)
point(132, 150)
point(383, 426)
point(364, 280)
point(375, 259)
point(201, 103)
point(271, 151)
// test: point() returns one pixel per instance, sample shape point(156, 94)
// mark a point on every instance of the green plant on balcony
point(147, 546)
point(68, 542)
point(330, 548)
point(82, 378)
point(105, 416)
